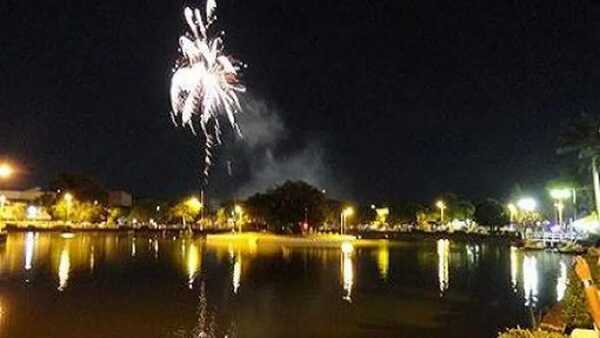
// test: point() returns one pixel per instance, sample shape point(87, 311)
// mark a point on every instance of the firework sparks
point(205, 82)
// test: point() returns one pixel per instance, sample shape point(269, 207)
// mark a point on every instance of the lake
point(100, 285)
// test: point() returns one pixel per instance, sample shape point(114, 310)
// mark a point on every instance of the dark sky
point(390, 99)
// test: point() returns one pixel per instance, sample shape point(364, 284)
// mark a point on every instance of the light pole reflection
point(443, 251)
point(530, 280)
point(29, 247)
point(347, 270)
point(237, 272)
point(194, 263)
point(383, 261)
point(514, 267)
point(561, 283)
point(64, 267)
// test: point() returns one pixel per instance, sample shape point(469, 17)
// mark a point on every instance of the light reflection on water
point(443, 251)
point(229, 283)
point(530, 280)
point(347, 270)
point(64, 267)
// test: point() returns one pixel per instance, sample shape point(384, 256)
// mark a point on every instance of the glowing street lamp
point(193, 203)
point(442, 206)
point(347, 212)
point(560, 194)
point(527, 204)
point(6, 171)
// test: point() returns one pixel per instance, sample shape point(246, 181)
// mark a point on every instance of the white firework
point(205, 83)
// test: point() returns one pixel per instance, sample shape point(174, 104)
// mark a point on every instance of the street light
point(527, 204)
point(6, 170)
point(442, 206)
point(560, 194)
point(347, 212)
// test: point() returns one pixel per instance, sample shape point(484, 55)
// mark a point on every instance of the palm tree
point(582, 137)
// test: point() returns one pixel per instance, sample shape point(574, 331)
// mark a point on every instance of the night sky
point(371, 100)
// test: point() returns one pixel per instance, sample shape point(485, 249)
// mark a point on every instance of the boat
point(572, 248)
point(533, 245)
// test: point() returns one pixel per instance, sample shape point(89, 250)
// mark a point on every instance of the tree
point(582, 138)
point(491, 213)
point(286, 206)
point(77, 211)
point(186, 210)
point(84, 187)
point(456, 207)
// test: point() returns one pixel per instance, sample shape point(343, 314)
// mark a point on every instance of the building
point(25, 196)
point(120, 199)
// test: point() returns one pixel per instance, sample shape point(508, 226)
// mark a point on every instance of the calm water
point(118, 285)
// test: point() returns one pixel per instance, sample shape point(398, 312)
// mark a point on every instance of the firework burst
point(205, 82)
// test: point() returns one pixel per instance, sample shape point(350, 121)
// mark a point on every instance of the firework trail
point(205, 82)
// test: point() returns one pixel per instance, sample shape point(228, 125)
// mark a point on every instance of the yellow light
point(2, 199)
point(194, 261)
point(441, 204)
point(383, 261)
point(512, 208)
point(347, 248)
point(238, 209)
point(194, 204)
point(349, 211)
point(68, 197)
point(6, 170)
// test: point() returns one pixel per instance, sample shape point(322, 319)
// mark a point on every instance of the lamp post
point(349, 211)
point(69, 201)
point(238, 211)
point(559, 205)
point(512, 210)
point(559, 195)
point(442, 206)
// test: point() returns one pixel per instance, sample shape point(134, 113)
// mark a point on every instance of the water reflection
point(383, 261)
point(443, 251)
point(64, 267)
point(237, 272)
point(29, 246)
point(92, 258)
point(215, 273)
point(514, 267)
point(530, 280)
point(473, 253)
point(347, 267)
point(194, 261)
point(561, 283)
point(133, 247)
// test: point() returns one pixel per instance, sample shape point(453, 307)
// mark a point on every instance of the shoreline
point(319, 238)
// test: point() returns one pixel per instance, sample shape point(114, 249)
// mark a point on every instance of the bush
point(574, 303)
point(522, 333)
